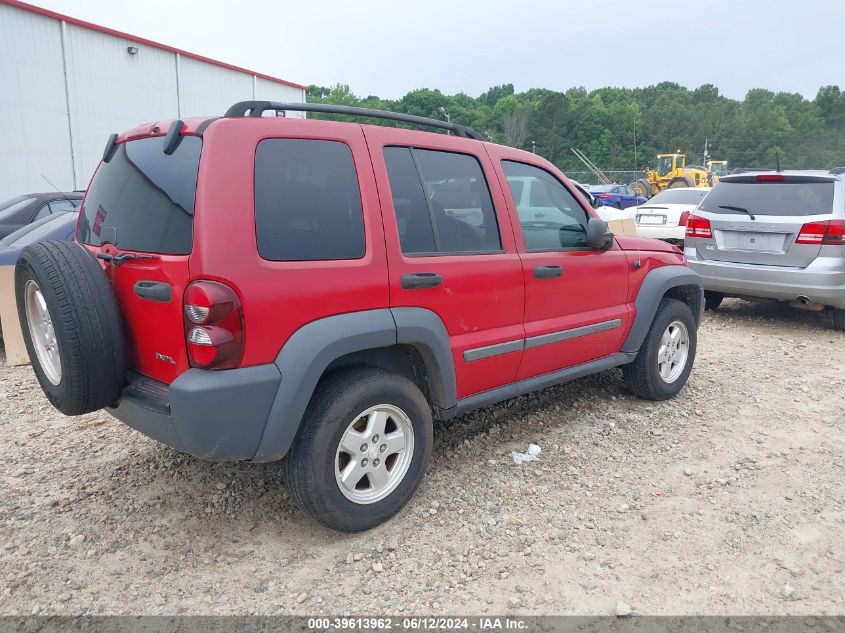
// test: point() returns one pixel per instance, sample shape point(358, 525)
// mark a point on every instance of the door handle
point(420, 280)
point(154, 291)
point(547, 272)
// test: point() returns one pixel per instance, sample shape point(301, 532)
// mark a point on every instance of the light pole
point(533, 147)
point(442, 111)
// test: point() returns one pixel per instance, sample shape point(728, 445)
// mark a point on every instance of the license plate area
point(753, 241)
point(651, 219)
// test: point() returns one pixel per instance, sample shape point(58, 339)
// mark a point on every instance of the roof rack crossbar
point(257, 108)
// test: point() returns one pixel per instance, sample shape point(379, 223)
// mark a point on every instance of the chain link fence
point(621, 176)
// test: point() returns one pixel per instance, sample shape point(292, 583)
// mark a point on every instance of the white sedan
point(665, 215)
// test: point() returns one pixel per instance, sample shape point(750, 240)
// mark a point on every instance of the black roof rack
point(257, 108)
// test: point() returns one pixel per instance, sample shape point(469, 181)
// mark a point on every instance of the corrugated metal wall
point(107, 90)
point(35, 138)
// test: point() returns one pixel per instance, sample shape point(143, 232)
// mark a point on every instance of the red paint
point(592, 289)
point(483, 300)
point(151, 328)
point(140, 40)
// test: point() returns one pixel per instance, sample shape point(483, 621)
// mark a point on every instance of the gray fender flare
point(424, 330)
point(655, 285)
point(312, 348)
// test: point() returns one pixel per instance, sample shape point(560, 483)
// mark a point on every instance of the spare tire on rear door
point(71, 326)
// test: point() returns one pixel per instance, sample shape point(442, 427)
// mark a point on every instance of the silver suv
point(773, 235)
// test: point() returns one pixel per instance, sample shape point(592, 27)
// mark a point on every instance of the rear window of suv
point(307, 201)
point(143, 199)
point(789, 198)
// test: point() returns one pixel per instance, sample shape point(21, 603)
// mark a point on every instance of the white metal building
point(66, 85)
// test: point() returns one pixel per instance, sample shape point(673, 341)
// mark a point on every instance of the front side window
point(442, 202)
point(552, 219)
point(664, 165)
point(307, 201)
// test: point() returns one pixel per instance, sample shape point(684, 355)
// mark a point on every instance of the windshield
point(10, 207)
point(679, 196)
point(719, 168)
point(143, 199)
point(772, 198)
point(664, 165)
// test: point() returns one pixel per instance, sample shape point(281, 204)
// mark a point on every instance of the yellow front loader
point(671, 172)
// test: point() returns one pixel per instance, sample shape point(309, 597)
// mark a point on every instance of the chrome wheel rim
point(374, 454)
point(673, 352)
point(42, 333)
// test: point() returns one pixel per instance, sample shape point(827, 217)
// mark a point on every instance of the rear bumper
point(823, 281)
point(213, 415)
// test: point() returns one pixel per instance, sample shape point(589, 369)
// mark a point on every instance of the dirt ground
point(729, 499)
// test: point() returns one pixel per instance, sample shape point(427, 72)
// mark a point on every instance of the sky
point(388, 48)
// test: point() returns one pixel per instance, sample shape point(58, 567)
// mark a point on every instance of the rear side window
point(771, 198)
point(307, 201)
point(442, 202)
point(143, 199)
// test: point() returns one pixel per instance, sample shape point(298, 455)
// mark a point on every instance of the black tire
point(642, 376)
point(839, 319)
point(618, 205)
point(680, 181)
point(642, 185)
point(712, 300)
point(86, 323)
point(309, 467)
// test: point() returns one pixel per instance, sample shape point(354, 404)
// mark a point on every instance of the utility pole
point(635, 145)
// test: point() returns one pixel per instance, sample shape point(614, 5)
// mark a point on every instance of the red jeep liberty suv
point(263, 288)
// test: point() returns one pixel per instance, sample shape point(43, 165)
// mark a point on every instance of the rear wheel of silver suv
point(664, 361)
point(712, 300)
point(839, 319)
point(362, 449)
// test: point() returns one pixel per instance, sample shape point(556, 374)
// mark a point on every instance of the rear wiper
point(120, 258)
point(740, 209)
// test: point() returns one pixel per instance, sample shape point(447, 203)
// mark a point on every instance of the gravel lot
point(728, 500)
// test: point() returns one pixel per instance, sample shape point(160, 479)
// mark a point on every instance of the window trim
point(364, 223)
point(562, 249)
point(427, 195)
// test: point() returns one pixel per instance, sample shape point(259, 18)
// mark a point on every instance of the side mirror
point(597, 203)
point(598, 235)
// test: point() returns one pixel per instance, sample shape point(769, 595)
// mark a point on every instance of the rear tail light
point(830, 233)
point(683, 219)
point(698, 227)
point(604, 195)
point(214, 326)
